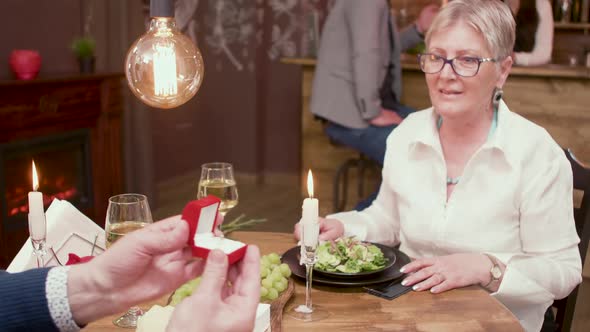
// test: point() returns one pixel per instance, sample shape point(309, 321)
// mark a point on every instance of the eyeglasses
point(466, 66)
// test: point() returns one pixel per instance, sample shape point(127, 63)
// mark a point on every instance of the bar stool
point(341, 178)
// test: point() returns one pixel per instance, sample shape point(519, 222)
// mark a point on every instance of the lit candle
point(309, 218)
point(36, 212)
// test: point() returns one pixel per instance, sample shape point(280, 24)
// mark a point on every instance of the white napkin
point(68, 231)
point(157, 318)
point(262, 323)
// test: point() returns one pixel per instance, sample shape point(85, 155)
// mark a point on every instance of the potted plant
point(84, 50)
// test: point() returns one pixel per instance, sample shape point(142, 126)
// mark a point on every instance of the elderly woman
point(477, 194)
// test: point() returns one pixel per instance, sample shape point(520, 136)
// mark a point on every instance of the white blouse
point(514, 201)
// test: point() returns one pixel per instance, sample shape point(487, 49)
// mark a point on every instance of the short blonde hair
point(492, 18)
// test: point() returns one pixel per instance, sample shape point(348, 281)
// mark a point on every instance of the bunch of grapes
point(185, 290)
point(273, 277)
point(273, 280)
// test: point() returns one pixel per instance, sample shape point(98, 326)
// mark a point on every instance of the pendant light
point(164, 68)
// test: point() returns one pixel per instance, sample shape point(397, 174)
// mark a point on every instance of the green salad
point(348, 255)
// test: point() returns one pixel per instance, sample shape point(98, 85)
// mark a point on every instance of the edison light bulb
point(164, 68)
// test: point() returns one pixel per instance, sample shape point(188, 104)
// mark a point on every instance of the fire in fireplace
point(63, 163)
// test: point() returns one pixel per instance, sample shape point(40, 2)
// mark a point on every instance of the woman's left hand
point(444, 273)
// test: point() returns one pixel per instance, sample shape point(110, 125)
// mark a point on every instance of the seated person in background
point(534, 31)
point(359, 66)
point(477, 194)
point(144, 265)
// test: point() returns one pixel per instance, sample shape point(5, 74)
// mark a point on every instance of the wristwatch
point(495, 271)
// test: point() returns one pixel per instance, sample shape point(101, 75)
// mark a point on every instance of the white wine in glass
point(217, 179)
point(117, 230)
point(126, 213)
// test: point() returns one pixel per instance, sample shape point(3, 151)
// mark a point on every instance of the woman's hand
point(444, 273)
point(330, 229)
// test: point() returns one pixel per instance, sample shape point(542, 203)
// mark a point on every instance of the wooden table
point(467, 309)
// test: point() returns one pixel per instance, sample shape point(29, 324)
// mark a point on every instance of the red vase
point(25, 64)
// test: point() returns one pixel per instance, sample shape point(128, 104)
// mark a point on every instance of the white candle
point(36, 212)
point(309, 217)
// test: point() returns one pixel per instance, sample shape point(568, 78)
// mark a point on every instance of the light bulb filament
point(165, 71)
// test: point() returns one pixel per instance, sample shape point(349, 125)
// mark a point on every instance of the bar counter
point(556, 97)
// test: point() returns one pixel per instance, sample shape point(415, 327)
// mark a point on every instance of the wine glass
point(309, 242)
point(217, 179)
point(126, 213)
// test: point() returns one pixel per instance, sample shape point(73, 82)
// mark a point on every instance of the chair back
point(565, 307)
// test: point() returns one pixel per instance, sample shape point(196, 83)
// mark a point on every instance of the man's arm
point(413, 34)
point(23, 304)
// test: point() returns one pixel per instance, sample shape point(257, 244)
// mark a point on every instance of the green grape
point(265, 260)
point(185, 289)
point(176, 299)
point(285, 282)
point(272, 294)
point(279, 286)
point(285, 270)
point(275, 276)
point(267, 282)
point(274, 258)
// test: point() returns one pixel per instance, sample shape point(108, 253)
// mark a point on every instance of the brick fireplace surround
point(72, 124)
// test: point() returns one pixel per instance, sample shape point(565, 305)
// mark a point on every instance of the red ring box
point(200, 216)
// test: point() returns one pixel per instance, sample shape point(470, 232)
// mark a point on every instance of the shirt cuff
point(56, 291)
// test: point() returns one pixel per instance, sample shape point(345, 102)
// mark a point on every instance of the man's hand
point(427, 15)
point(217, 305)
point(330, 229)
point(143, 265)
point(386, 118)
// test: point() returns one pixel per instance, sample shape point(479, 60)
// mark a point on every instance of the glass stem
point(135, 311)
point(39, 251)
point(308, 275)
point(40, 260)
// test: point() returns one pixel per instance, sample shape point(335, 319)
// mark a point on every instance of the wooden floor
point(279, 200)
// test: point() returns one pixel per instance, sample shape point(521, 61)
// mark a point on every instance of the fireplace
point(71, 127)
point(63, 162)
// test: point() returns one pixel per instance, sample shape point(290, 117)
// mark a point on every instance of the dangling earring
point(498, 93)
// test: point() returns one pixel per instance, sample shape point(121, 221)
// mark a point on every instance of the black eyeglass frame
point(450, 62)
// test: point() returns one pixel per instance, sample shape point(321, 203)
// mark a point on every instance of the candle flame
point(35, 178)
point(310, 184)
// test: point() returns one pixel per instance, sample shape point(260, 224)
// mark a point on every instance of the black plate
point(291, 257)
point(388, 252)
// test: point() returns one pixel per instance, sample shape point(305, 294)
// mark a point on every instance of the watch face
point(496, 272)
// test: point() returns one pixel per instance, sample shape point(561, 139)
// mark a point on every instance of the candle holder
point(309, 242)
point(37, 230)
